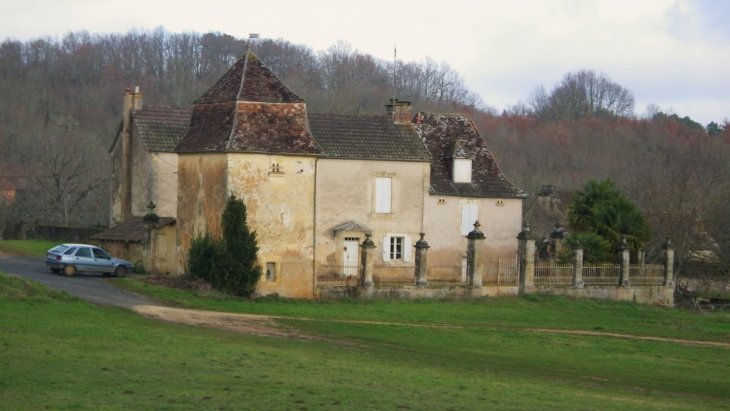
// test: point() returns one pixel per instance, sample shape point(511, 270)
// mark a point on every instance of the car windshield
point(58, 249)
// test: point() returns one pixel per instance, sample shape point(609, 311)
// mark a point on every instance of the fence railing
point(385, 275)
point(547, 273)
point(447, 275)
point(602, 274)
point(337, 276)
point(647, 274)
point(504, 271)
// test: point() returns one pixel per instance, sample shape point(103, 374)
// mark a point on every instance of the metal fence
point(548, 273)
point(648, 274)
point(385, 275)
point(602, 274)
point(504, 271)
point(447, 275)
point(337, 276)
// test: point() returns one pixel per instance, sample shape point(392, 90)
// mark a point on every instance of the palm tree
point(600, 208)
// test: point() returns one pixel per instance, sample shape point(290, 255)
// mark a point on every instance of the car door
point(102, 261)
point(83, 259)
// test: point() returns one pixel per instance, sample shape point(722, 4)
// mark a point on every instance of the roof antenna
point(395, 62)
point(251, 37)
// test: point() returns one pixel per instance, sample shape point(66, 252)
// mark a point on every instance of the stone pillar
point(422, 262)
point(624, 258)
point(556, 240)
point(577, 253)
point(150, 221)
point(668, 247)
point(526, 256)
point(474, 259)
point(366, 261)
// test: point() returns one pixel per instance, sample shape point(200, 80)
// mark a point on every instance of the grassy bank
point(59, 353)
point(30, 248)
point(531, 311)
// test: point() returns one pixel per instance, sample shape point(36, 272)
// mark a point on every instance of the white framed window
point(383, 195)
point(462, 171)
point(469, 215)
point(397, 247)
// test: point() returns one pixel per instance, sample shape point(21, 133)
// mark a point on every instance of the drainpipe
point(314, 233)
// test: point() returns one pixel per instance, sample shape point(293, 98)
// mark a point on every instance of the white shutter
point(462, 171)
point(382, 195)
point(469, 214)
point(407, 245)
point(386, 248)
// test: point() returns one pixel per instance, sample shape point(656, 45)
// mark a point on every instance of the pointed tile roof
point(249, 80)
point(249, 110)
point(439, 132)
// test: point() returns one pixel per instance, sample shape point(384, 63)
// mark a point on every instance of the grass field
point(60, 353)
point(32, 248)
point(531, 311)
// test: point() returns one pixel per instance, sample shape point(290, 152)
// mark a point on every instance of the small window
point(270, 271)
point(396, 248)
point(382, 195)
point(462, 171)
point(70, 251)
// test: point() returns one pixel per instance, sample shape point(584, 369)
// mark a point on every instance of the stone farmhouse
point(315, 185)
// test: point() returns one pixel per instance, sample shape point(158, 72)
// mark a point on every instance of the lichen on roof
point(441, 133)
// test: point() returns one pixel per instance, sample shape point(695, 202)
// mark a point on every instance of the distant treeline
point(60, 107)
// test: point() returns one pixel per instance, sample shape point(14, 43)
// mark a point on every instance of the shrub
point(229, 264)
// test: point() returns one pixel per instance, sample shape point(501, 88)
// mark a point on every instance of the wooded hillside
point(61, 107)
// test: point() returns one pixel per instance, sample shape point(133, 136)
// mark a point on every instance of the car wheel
point(55, 270)
point(120, 271)
point(69, 270)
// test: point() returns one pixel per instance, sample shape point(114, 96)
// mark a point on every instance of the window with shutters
point(383, 195)
point(462, 171)
point(469, 215)
point(397, 247)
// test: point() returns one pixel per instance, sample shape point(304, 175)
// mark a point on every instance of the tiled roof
point(132, 230)
point(367, 137)
point(249, 127)
point(249, 110)
point(439, 132)
point(249, 80)
point(161, 128)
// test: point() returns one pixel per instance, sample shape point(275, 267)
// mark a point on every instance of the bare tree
point(583, 94)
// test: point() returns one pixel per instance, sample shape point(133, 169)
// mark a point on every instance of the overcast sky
point(672, 53)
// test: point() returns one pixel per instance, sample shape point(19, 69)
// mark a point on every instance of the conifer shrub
point(229, 264)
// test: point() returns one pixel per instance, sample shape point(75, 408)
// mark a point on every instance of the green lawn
point(531, 311)
point(33, 248)
point(59, 353)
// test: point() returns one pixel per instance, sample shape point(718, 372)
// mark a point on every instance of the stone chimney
point(137, 99)
point(126, 166)
point(399, 111)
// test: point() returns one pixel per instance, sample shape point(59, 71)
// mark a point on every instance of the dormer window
point(462, 170)
point(460, 162)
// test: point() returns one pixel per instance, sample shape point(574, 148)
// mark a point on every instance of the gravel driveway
point(94, 288)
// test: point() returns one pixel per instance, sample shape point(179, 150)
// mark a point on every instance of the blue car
point(72, 258)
